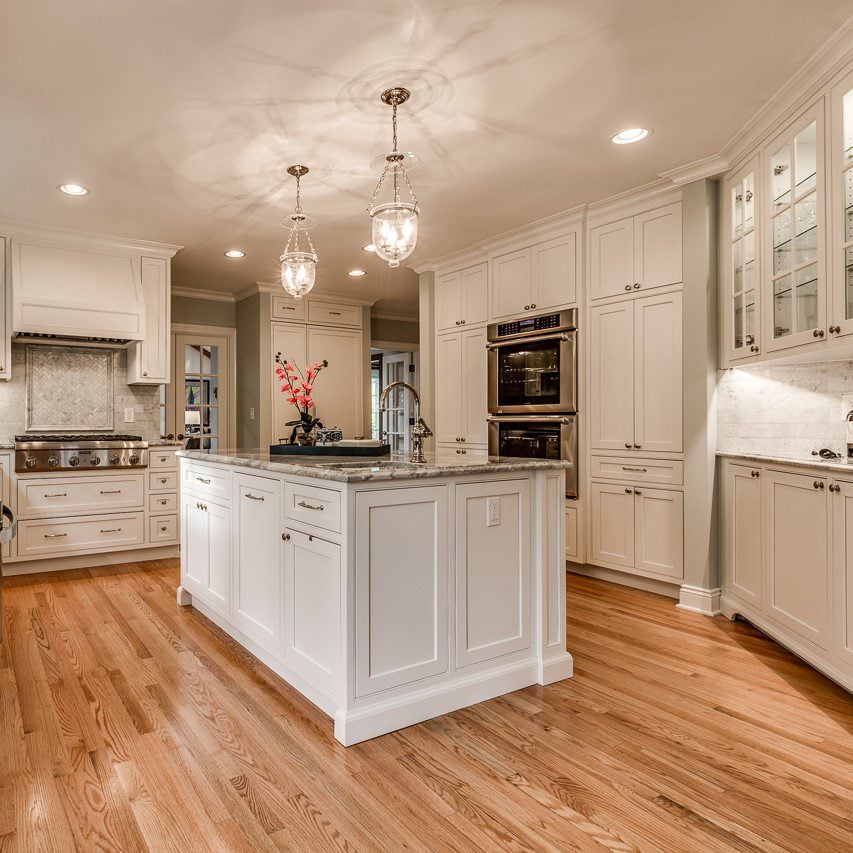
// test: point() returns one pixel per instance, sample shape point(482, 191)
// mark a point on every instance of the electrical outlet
point(493, 512)
point(129, 415)
point(251, 414)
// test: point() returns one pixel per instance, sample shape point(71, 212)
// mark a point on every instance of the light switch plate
point(493, 512)
point(251, 414)
point(129, 415)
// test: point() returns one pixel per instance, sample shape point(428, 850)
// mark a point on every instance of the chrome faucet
point(420, 430)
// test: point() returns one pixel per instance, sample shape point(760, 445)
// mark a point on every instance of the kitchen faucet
point(420, 430)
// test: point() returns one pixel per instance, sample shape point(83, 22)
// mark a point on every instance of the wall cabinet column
point(338, 392)
point(148, 360)
point(289, 339)
point(611, 387)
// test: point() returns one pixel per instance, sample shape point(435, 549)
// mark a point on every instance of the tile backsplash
point(789, 409)
point(74, 389)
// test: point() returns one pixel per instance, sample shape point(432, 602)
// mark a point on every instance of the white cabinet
point(338, 391)
point(148, 360)
point(6, 492)
point(291, 341)
point(401, 597)
point(462, 297)
point(256, 504)
point(206, 552)
point(612, 524)
point(636, 253)
point(573, 532)
point(461, 387)
point(797, 547)
point(288, 308)
point(511, 283)
point(5, 328)
point(635, 375)
point(841, 196)
point(312, 601)
point(743, 555)
point(493, 592)
point(334, 314)
point(842, 591)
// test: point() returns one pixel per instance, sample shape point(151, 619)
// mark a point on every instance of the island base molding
point(699, 599)
point(88, 561)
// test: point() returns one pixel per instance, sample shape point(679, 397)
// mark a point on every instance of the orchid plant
point(298, 387)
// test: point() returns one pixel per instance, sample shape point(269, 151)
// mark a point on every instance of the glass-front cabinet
point(795, 279)
point(841, 164)
point(741, 260)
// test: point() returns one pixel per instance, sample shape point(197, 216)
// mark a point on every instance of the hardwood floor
point(129, 723)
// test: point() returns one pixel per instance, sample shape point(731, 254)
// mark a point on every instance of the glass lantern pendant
point(298, 266)
point(395, 223)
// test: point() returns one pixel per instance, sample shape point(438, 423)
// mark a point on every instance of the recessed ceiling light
point(73, 189)
point(356, 273)
point(234, 253)
point(368, 248)
point(632, 134)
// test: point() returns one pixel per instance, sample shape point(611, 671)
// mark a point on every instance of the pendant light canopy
point(298, 266)
point(395, 223)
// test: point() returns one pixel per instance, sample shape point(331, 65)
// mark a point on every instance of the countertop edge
point(816, 462)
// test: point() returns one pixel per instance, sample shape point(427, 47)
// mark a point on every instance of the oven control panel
point(529, 324)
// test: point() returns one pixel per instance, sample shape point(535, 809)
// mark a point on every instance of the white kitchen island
point(386, 593)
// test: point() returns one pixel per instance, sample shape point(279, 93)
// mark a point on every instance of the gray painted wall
point(426, 312)
point(248, 396)
point(396, 331)
point(203, 312)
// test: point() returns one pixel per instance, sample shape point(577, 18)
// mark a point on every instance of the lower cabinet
point(206, 551)
point(743, 533)
point(257, 511)
point(573, 532)
point(842, 591)
point(638, 530)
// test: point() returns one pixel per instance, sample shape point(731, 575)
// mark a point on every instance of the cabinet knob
point(636, 285)
point(285, 537)
point(834, 488)
point(461, 322)
point(627, 287)
point(637, 446)
point(145, 373)
point(532, 304)
point(457, 322)
point(755, 473)
point(753, 348)
point(627, 491)
point(818, 333)
point(628, 445)
point(818, 484)
point(526, 307)
point(637, 492)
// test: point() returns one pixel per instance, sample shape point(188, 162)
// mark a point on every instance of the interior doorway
point(387, 366)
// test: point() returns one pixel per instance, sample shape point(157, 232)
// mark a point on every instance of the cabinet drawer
point(287, 309)
point(163, 528)
point(333, 314)
point(89, 533)
point(162, 481)
point(163, 503)
point(313, 505)
point(633, 470)
point(209, 482)
point(161, 460)
point(60, 496)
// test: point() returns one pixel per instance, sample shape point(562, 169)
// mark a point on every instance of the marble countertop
point(799, 462)
point(353, 469)
point(165, 444)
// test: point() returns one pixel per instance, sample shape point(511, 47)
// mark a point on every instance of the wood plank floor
point(129, 723)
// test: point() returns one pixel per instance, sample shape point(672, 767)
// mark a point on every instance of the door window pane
point(749, 317)
point(782, 242)
point(848, 205)
point(737, 210)
point(748, 203)
point(782, 177)
point(782, 307)
point(848, 280)
point(847, 134)
point(737, 262)
point(807, 298)
point(805, 218)
point(805, 146)
point(738, 322)
point(749, 281)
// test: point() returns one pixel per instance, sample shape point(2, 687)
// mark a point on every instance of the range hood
point(75, 292)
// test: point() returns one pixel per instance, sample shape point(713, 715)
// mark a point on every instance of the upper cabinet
point(541, 277)
point(636, 253)
point(841, 200)
point(462, 297)
point(148, 360)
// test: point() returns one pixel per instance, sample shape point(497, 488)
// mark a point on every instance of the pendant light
point(395, 223)
point(298, 266)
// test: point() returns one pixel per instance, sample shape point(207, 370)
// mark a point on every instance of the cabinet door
point(794, 240)
point(5, 490)
point(289, 339)
point(841, 178)
point(493, 592)
point(5, 320)
point(743, 556)
point(611, 386)
point(474, 386)
point(657, 373)
point(612, 524)
point(796, 545)
point(401, 595)
point(257, 558)
point(573, 533)
point(448, 301)
point(556, 271)
point(312, 602)
point(611, 259)
point(338, 392)
point(148, 360)
point(659, 528)
point(843, 570)
point(449, 418)
point(657, 247)
point(475, 294)
point(512, 291)
point(219, 557)
point(206, 552)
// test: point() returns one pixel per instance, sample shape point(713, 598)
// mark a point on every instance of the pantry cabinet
point(462, 297)
point(461, 387)
point(148, 360)
point(636, 375)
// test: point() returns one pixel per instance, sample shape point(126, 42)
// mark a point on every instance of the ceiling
point(183, 116)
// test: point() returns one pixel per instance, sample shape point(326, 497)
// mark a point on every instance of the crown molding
point(275, 289)
point(210, 295)
point(72, 237)
point(661, 191)
point(707, 167)
point(402, 318)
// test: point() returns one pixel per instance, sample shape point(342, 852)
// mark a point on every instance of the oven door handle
point(528, 419)
point(7, 531)
point(563, 337)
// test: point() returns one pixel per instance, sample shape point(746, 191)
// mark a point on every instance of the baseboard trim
point(670, 590)
point(699, 599)
point(90, 561)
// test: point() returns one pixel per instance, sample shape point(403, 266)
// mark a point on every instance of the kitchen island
point(385, 592)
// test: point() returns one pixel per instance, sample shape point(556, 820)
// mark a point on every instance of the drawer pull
point(334, 313)
point(818, 484)
point(285, 537)
point(164, 458)
point(110, 491)
point(54, 535)
point(310, 506)
point(59, 495)
point(252, 497)
point(638, 470)
point(164, 501)
point(163, 528)
point(200, 479)
point(111, 530)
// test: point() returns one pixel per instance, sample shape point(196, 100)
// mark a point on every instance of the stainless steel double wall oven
point(533, 389)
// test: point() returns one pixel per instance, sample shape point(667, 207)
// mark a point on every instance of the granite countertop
point(353, 469)
point(799, 462)
point(160, 443)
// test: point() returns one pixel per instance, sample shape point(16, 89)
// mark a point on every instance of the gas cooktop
point(35, 454)
point(65, 438)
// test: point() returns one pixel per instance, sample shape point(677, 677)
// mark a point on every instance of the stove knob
point(134, 459)
point(53, 461)
point(95, 460)
point(31, 462)
point(114, 459)
point(74, 461)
